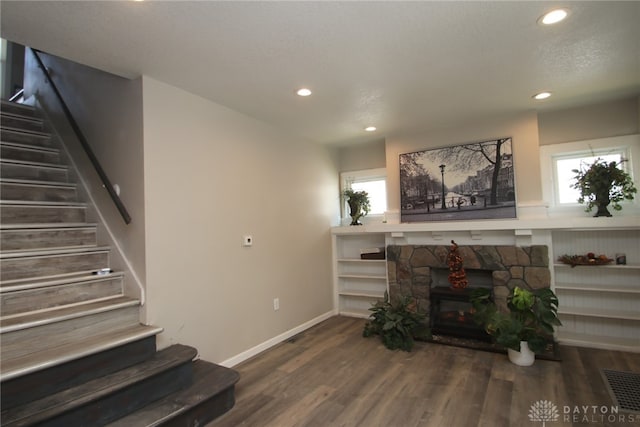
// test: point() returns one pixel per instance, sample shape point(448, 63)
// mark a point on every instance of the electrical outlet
point(276, 304)
point(247, 240)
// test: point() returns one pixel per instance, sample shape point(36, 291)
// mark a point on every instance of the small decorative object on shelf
point(372, 253)
point(457, 275)
point(588, 259)
point(359, 204)
point(602, 183)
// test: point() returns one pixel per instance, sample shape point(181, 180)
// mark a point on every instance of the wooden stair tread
point(59, 355)
point(28, 147)
point(66, 280)
point(52, 226)
point(39, 183)
point(33, 164)
point(42, 204)
point(53, 251)
point(58, 314)
point(209, 380)
point(66, 400)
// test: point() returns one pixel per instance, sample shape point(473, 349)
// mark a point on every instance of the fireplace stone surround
point(409, 269)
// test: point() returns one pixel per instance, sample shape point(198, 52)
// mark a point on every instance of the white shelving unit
point(359, 282)
point(599, 304)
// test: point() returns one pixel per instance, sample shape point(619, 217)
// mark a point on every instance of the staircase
point(73, 352)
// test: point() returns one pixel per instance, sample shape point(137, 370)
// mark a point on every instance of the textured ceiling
point(400, 66)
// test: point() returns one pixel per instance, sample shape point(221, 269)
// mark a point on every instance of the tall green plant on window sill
point(602, 183)
point(359, 204)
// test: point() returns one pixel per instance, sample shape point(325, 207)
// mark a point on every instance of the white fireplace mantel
point(517, 226)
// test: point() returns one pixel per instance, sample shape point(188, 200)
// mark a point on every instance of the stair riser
point(43, 383)
point(32, 340)
point(27, 155)
point(32, 267)
point(53, 296)
point(126, 401)
point(28, 124)
point(210, 408)
point(31, 214)
point(37, 193)
point(26, 138)
point(14, 240)
point(18, 109)
point(17, 171)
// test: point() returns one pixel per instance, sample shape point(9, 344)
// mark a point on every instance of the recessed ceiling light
point(542, 95)
point(370, 128)
point(553, 17)
point(304, 92)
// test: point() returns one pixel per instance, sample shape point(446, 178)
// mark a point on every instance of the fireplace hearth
point(420, 271)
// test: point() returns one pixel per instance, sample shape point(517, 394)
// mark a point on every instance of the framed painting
point(461, 182)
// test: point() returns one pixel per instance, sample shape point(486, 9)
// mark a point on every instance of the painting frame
point(469, 181)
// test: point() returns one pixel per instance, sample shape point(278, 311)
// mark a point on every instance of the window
point(564, 166)
point(557, 162)
point(374, 182)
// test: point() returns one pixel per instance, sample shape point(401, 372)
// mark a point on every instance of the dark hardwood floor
point(330, 375)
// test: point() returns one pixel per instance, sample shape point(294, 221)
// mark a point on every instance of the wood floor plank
point(331, 376)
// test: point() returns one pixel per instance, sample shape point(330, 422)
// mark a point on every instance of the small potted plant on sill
point(602, 183)
point(359, 204)
point(528, 325)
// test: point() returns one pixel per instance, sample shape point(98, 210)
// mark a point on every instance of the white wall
point(213, 175)
point(523, 128)
point(603, 120)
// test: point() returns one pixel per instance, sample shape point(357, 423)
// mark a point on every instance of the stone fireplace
point(412, 269)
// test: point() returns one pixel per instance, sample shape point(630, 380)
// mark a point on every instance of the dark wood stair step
point(211, 395)
point(112, 396)
point(139, 346)
point(36, 362)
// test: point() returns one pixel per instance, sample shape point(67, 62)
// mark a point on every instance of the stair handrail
point(83, 141)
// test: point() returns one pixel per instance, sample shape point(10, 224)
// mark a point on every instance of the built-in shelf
point(600, 299)
point(597, 312)
point(359, 283)
point(362, 276)
point(362, 294)
point(597, 288)
point(612, 266)
point(599, 341)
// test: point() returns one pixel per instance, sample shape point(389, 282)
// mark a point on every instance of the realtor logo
point(544, 410)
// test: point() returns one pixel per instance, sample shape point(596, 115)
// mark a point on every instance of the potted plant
point(398, 325)
point(602, 183)
point(527, 326)
point(359, 204)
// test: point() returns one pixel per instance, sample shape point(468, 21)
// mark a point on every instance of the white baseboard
point(231, 362)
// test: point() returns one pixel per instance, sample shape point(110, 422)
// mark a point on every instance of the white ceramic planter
point(524, 357)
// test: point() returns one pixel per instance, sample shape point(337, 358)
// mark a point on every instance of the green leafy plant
point(359, 204)
point(602, 183)
point(531, 317)
point(398, 325)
